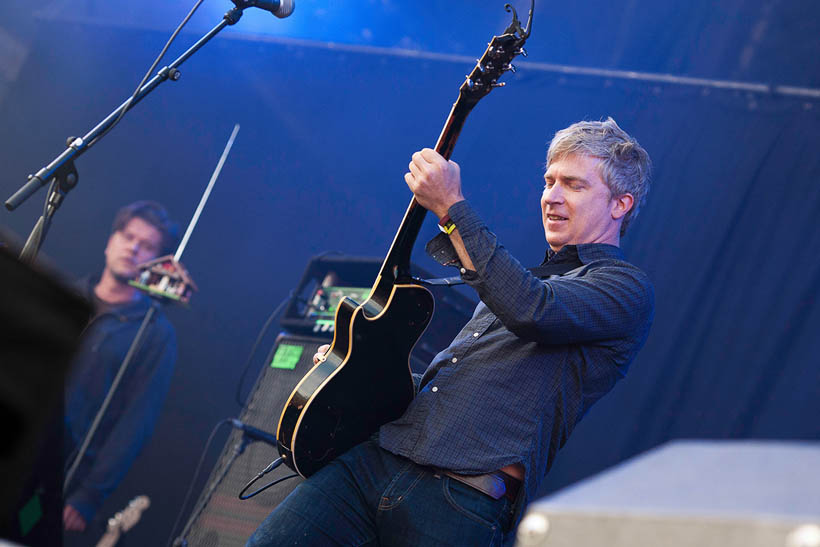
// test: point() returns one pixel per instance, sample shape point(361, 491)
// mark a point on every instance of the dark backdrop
point(729, 235)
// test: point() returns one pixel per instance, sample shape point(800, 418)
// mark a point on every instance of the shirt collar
point(584, 252)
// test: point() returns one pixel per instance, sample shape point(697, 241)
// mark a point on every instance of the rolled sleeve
point(604, 299)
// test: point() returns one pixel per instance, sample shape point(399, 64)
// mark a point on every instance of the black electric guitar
point(365, 380)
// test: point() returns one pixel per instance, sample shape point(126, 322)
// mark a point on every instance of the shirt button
point(454, 359)
point(475, 335)
point(463, 270)
point(434, 389)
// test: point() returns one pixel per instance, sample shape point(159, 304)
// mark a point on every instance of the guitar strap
point(545, 270)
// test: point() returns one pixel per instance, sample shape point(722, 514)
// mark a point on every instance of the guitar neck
point(397, 263)
point(483, 79)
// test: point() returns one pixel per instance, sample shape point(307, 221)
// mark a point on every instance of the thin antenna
point(207, 193)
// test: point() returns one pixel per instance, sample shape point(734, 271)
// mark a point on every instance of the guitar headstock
point(497, 59)
point(123, 521)
point(131, 515)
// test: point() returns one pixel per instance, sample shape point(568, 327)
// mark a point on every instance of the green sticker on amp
point(286, 356)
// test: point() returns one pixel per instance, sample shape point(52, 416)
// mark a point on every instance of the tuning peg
point(521, 51)
point(498, 84)
point(510, 67)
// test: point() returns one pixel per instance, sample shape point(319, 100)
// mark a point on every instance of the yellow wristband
point(446, 225)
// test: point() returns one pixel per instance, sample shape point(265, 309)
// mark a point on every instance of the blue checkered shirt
point(534, 357)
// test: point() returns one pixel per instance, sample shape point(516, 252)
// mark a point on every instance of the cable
point(271, 466)
point(273, 483)
point(127, 105)
point(259, 337)
point(51, 188)
point(193, 479)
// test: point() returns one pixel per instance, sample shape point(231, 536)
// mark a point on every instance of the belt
point(497, 484)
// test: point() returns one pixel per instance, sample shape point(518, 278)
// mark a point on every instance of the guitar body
point(365, 379)
point(364, 382)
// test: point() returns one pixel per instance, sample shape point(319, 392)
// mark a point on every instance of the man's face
point(577, 206)
point(137, 242)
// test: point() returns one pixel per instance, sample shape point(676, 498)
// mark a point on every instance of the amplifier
point(220, 518)
point(329, 278)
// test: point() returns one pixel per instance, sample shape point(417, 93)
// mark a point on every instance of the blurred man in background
point(141, 232)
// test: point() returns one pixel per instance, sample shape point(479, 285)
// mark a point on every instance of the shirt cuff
point(468, 224)
point(84, 505)
point(441, 249)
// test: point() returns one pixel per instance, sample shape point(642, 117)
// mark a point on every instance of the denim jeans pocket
point(480, 507)
point(400, 487)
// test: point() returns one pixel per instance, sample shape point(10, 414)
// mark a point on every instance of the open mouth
point(556, 218)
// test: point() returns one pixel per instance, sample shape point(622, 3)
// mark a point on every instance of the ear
point(621, 205)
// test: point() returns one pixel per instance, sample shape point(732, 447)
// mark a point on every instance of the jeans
point(369, 496)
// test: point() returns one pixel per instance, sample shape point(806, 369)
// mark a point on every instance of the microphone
point(253, 433)
point(280, 8)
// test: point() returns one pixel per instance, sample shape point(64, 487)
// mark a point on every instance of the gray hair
point(625, 165)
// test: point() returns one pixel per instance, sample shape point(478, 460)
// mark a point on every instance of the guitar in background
point(123, 521)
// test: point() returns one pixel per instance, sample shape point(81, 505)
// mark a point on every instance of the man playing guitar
point(493, 408)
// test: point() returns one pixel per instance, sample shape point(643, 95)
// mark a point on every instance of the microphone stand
point(65, 178)
point(62, 169)
point(132, 350)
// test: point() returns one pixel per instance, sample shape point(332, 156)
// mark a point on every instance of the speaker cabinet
point(225, 520)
